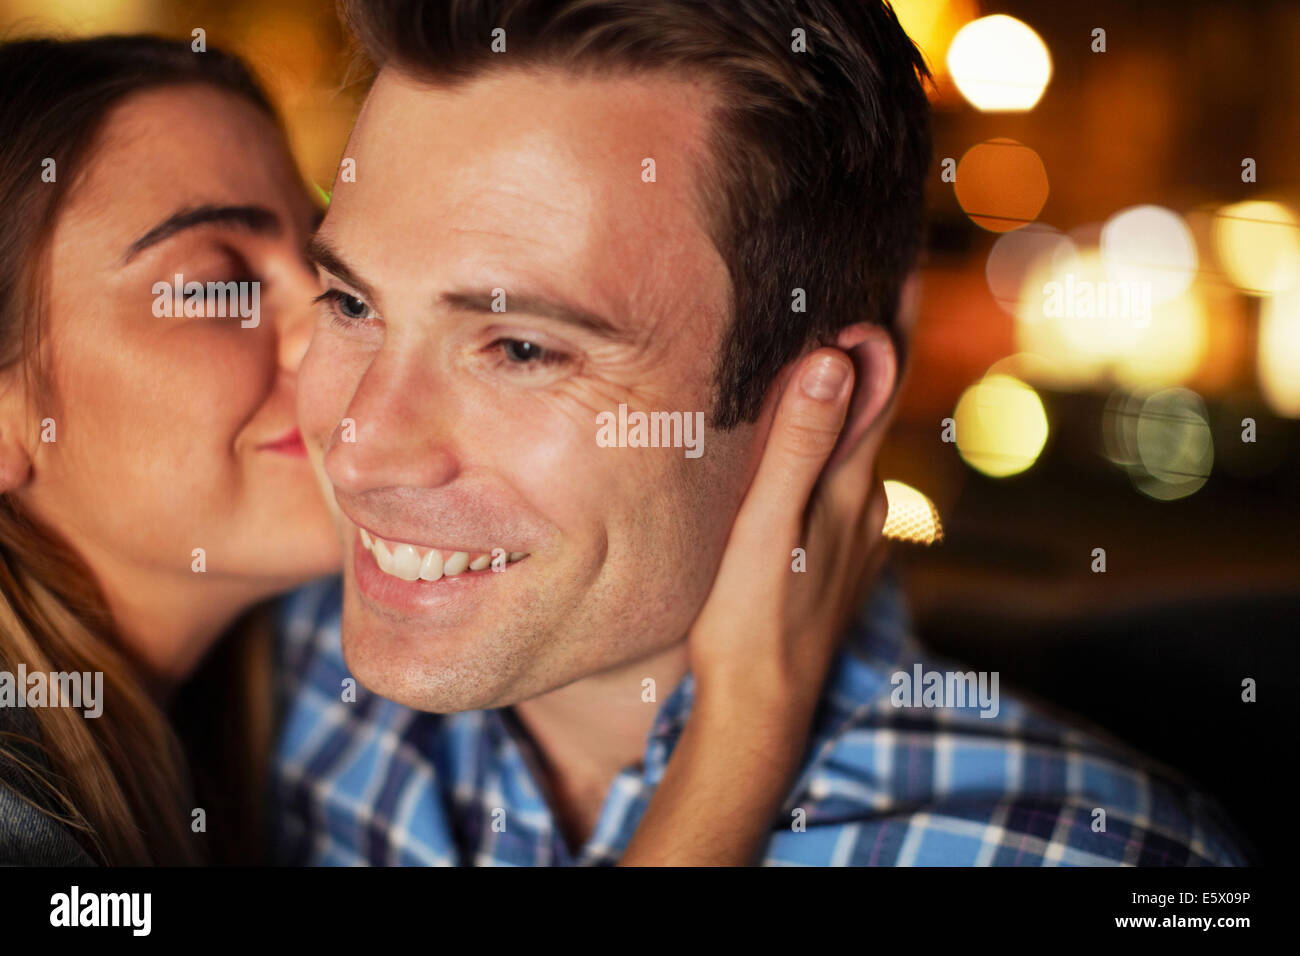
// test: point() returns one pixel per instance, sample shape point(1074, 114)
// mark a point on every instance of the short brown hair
point(821, 156)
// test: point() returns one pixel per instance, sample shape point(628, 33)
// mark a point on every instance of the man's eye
point(351, 306)
point(346, 307)
point(519, 351)
point(525, 354)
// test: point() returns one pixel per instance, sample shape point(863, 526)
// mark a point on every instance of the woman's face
point(176, 433)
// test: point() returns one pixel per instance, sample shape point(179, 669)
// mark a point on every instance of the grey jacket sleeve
point(29, 837)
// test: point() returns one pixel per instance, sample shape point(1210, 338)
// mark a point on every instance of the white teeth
point(431, 566)
point(412, 563)
point(406, 562)
point(383, 557)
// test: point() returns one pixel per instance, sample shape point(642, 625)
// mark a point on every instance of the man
point(571, 213)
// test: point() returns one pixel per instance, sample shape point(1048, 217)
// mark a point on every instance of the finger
point(804, 431)
point(847, 475)
point(847, 484)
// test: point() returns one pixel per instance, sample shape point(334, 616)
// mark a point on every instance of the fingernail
point(824, 378)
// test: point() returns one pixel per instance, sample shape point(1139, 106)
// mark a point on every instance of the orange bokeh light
point(1001, 184)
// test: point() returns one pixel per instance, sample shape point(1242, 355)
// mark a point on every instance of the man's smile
point(403, 578)
point(412, 562)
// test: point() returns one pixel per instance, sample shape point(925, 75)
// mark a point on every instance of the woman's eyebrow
point(256, 219)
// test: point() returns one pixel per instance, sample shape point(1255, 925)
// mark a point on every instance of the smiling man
point(477, 429)
point(564, 211)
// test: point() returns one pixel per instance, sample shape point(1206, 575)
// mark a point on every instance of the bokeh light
point(1119, 428)
point(1258, 245)
point(1170, 348)
point(1016, 254)
point(1279, 352)
point(912, 516)
point(1161, 438)
point(999, 64)
point(1001, 184)
point(1174, 445)
point(79, 17)
point(1094, 328)
point(932, 24)
point(1150, 244)
point(1001, 426)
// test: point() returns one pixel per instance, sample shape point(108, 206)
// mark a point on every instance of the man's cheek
point(313, 399)
point(327, 377)
point(549, 441)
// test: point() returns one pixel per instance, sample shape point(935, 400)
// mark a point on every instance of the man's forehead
point(487, 176)
point(551, 138)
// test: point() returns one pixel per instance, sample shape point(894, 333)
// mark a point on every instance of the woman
point(161, 436)
point(154, 489)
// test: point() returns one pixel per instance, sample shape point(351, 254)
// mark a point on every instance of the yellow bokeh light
point(1094, 327)
point(1258, 244)
point(1001, 426)
point(78, 17)
point(999, 64)
point(1279, 353)
point(1170, 349)
point(932, 24)
point(912, 516)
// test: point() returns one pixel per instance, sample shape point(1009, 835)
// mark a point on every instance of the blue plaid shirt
point(373, 782)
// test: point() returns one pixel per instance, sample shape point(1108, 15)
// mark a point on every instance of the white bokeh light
point(999, 64)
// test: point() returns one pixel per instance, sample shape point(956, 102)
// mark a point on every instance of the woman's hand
point(762, 644)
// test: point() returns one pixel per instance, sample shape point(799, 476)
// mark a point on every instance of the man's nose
point(397, 432)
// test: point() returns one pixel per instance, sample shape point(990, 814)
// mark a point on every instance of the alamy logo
point(946, 689)
point(1077, 298)
point(74, 908)
point(78, 689)
point(651, 430)
point(195, 300)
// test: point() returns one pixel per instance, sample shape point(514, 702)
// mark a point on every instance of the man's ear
point(875, 370)
point(15, 460)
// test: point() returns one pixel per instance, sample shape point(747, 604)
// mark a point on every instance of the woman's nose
point(297, 322)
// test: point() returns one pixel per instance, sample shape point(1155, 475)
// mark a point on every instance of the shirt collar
point(875, 641)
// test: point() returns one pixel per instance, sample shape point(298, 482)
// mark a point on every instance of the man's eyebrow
point(256, 219)
point(524, 303)
point(324, 255)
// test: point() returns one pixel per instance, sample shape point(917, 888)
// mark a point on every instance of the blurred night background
point(1108, 324)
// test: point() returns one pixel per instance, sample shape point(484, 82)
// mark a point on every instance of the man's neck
point(590, 730)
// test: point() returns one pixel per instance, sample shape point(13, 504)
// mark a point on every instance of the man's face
point(447, 426)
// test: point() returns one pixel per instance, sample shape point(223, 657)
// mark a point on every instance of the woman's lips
point(290, 443)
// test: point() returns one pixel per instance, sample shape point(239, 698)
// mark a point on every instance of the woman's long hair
point(119, 781)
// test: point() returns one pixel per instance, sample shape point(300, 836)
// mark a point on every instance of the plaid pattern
point(373, 782)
